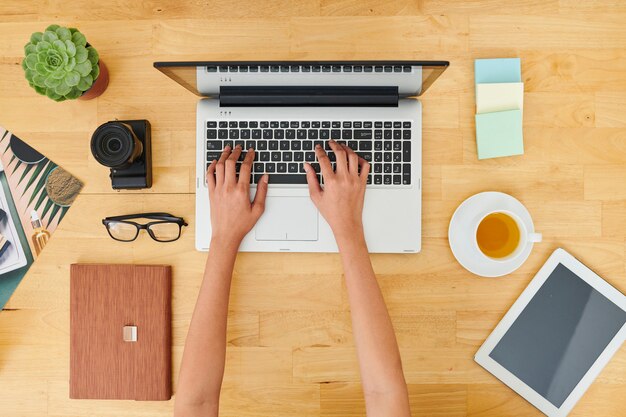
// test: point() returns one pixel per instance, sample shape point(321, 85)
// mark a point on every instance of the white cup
point(526, 238)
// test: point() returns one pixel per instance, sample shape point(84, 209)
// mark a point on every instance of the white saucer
point(462, 229)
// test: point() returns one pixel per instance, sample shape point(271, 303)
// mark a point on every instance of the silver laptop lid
point(410, 78)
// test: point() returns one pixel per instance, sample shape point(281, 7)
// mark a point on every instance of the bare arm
point(341, 204)
point(232, 216)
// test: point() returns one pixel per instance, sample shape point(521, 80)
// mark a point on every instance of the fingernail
point(250, 149)
point(266, 178)
point(238, 146)
point(318, 147)
point(226, 147)
point(332, 140)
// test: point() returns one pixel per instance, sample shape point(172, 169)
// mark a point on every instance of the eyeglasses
point(164, 227)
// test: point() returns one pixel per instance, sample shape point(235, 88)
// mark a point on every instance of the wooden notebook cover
point(104, 299)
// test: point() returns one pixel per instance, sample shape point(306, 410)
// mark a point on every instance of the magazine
point(35, 194)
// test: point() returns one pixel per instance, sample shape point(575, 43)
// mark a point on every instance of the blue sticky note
point(499, 134)
point(499, 70)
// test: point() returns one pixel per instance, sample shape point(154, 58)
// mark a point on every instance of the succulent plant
point(59, 64)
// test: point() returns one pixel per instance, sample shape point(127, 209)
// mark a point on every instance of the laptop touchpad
point(288, 218)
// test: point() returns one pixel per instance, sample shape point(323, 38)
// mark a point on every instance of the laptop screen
point(411, 78)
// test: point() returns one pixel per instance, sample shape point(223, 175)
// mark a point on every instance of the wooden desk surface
point(290, 350)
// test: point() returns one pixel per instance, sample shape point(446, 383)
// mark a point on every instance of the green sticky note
point(499, 134)
point(498, 70)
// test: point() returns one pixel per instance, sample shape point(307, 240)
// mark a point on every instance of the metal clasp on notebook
point(129, 333)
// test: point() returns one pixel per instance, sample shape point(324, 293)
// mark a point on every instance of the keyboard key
point(325, 125)
point(378, 125)
point(276, 156)
point(378, 157)
point(387, 146)
point(264, 125)
point(353, 144)
point(284, 125)
point(274, 125)
point(240, 143)
point(210, 156)
point(397, 68)
point(388, 125)
point(288, 179)
point(279, 134)
point(265, 68)
point(397, 134)
point(268, 134)
point(294, 125)
point(397, 169)
point(336, 125)
point(250, 144)
point(378, 146)
point(324, 134)
point(214, 145)
point(256, 134)
point(287, 156)
point(406, 134)
point(284, 145)
point(264, 156)
point(362, 134)
point(259, 167)
point(261, 145)
point(307, 145)
point(406, 151)
point(367, 125)
point(281, 167)
point(223, 125)
point(378, 179)
point(347, 125)
point(298, 156)
point(378, 68)
point(315, 125)
point(387, 179)
point(290, 134)
point(378, 168)
point(397, 179)
point(397, 145)
point(387, 134)
point(365, 145)
point(388, 68)
point(233, 134)
point(378, 134)
point(228, 142)
point(335, 134)
point(406, 174)
point(346, 134)
point(406, 68)
point(296, 145)
point(211, 134)
point(245, 134)
point(301, 134)
point(387, 168)
point(336, 68)
point(292, 167)
point(397, 125)
point(357, 125)
point(211, 125)
point(312, 134)
point(366, 155)
point(397, 157)
point(309, 156)
point(270, 167)
point(232, 125)
point(305, 125)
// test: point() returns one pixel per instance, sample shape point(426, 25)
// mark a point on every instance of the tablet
point(557, 336)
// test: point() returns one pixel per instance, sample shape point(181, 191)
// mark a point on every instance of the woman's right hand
point(341, 199)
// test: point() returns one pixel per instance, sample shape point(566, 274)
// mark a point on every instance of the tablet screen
point(559, 335)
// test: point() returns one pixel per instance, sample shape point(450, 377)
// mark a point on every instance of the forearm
point(377, 349)
point(202, 367)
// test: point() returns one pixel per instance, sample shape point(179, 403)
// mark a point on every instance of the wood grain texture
point(290, 347)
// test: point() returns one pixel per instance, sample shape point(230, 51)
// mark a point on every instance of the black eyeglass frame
point(159, 218)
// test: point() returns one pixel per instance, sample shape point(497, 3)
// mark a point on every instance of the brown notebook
point(120, 332)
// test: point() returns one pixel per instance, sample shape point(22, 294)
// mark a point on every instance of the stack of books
point(499, 106)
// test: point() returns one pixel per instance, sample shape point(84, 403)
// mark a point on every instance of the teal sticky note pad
point(499, 70)
point(499, 134)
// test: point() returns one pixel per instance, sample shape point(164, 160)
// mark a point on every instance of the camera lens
point(115, 145)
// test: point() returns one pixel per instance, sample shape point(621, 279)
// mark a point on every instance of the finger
point(322, 158)
point(219, 167)
point(340, 156)
point(311, 179)
point(230, 172)
point(246, 169)
point(365, 170)
point(210, 176)
point(258, 205)
point(353, 160)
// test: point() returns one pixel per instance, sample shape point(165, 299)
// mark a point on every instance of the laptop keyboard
point(281, 147)
point(309, 68)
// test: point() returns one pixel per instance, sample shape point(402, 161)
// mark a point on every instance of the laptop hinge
point(256, 96)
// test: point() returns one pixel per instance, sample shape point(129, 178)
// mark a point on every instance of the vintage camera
point(124, 146)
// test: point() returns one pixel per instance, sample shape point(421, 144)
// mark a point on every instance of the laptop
point(282, 110)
